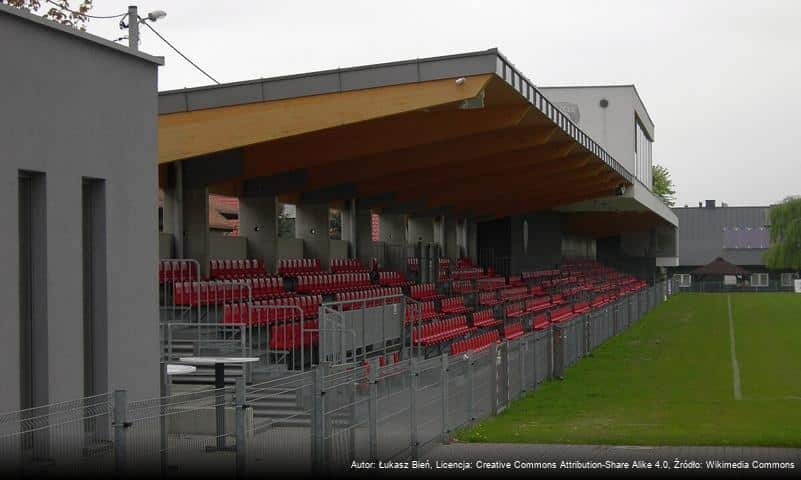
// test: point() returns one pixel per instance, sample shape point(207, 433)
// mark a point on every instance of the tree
point(663, 185)
point(785, 235)
point(59, 11)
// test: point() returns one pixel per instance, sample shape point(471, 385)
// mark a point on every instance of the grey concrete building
point(79, 140)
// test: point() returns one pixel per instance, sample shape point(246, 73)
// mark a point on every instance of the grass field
point(668, 380)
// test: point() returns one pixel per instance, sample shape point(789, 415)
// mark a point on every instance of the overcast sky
point(720, 79)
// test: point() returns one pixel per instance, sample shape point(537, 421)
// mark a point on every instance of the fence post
point(165, 392)
point(534, 359)
point(372, 406)
point(120, 425)
point(414, 381)
point(471, 414)
point(241, 433)
point(444, 380)
point(493, 366)
point(522, 350)
point(318, 412)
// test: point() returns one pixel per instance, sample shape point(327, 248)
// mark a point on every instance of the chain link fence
point(309, 421)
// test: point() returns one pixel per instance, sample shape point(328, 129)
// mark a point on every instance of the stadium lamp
point(155, 15)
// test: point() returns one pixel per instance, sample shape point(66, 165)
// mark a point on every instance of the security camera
point(460, 81)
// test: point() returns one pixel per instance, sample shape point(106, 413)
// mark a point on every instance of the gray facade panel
point(224, 96)
point(278, 89)
point(172, 103)
point(457, 67)
point(701, 234)
point(104, 128)
point(379, 76)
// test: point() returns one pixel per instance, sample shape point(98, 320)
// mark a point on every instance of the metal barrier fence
point(312, 420)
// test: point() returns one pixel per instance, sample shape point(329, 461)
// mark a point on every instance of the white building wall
point(612, 127)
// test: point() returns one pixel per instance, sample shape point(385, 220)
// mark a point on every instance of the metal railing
point(318, 419)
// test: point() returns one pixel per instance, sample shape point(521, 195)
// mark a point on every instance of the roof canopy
point(465, 133)
point(719, 266)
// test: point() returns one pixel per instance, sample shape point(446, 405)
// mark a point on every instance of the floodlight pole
point(133, 27)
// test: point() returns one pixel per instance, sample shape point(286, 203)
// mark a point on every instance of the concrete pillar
point(392, 228)
point(172, 210)
point(451, 242)
point(439, 232)
point(364, 234)
point(257, 223)
point(195, 232)
point(350, 230)
point(311, 225)
point(421, 229)
point(472, 240)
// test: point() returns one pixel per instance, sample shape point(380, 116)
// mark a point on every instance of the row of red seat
point(369, 297)
point(426, 291)
point(476, 343)
point(413, 264)
point(485, 319)
point(539, 274)
point(462, 287)
point(333, 282)
point(225, 291)
point(440, 331)
point(454, 305)
point(488, 299)
point(491, 283)
point(272, 311)
point(297, 266)
point(393, 279)
point(177, 271)
point(346, 265)
point(291, 336)
point(427, 311)
point(513, 330)
point(469, 273)
point(234, 269)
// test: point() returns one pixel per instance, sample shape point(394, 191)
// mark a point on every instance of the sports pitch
point(672, 379)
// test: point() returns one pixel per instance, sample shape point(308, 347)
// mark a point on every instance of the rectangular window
point(759, 280)
point(95, 322)
point(32, 244)
point(685, 280)
point(787, 279)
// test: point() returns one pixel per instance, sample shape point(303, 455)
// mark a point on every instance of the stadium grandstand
point(445, 210)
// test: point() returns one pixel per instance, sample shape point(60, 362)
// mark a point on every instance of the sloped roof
point(719, 266)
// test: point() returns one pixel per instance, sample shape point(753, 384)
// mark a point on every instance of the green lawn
point(668, 380)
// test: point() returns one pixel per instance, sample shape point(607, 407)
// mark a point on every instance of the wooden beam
point(376, 136)
point(363, 169)
point(537, 201)
point(200, 132)
point(528, 187)
point(553, 172)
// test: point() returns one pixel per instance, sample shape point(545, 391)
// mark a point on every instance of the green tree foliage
point(663, 185)
point(59, 11)
point(785, 235)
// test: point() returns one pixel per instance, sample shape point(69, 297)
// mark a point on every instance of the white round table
point(219, 384)
point(176, 369)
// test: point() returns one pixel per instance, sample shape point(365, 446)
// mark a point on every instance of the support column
point(311, 225)
point(364, 235)
point(439, 232)
point(195, 213)
point(451, 247)
point(472, 240)
point(257, 223)
point(392, 228)
point(171, 208)
point(421, 229)
point(350, 228)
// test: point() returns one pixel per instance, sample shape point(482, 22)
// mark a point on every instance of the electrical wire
point(179, 52)
point(85, 14)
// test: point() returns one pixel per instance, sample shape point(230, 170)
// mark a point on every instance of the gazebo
point(718, 269)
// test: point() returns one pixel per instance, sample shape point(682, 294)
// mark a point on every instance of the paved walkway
point(610, 458)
